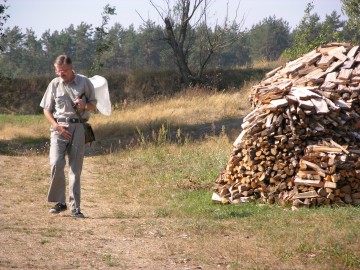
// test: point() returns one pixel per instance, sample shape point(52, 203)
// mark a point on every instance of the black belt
point(68, 120)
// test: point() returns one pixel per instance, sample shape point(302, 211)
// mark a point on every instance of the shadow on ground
point(231, 128)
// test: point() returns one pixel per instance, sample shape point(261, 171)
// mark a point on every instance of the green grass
point(21, 119)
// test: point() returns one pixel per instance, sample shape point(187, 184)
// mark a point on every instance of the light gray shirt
point(57, 101)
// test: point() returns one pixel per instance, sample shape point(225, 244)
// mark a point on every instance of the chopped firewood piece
point(353, 51)
point(273, 72)
point(308, 182)
point(345, 74)
point(320, 105)
point(348, 64)
point(308, 194)
point(329, 184)
point(304, 93)
point(325, 61)
point(338, 53)
point(339, 146)
point(315, 74)
point(278, 103)
point(334, 66)
point(320, 148)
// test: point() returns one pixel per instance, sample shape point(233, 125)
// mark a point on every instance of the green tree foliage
point(352, 28)
point(235, 54)
point(155, 52)
point(12, 44)
point(3, 19)
point(83, 50)
point(33, 55)
point(330, 29)
point(311, 32)
point(305, 36)
point(269, 38)
point(103, 44)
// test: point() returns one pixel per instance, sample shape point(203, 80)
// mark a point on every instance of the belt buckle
point(72, 120)
point(62, 120)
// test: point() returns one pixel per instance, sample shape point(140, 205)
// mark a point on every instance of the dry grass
point(192, 107)
point(23, 127)
point(264, 64)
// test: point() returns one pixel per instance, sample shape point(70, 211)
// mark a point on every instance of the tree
point(352, 10)
point(305, 35)
point(33, 57)
point(12, 44)
point(53, 45)
point(3, 19)
point(269, 38)
point(131, 48)
point(234, 55)
point(84, 48)
point(114, 57)
point(180, 19)
point(151, 46)
point(101, 39)
point(331, 29)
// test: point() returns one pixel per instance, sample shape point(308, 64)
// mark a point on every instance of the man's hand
point(62, 130)
point(80, 104)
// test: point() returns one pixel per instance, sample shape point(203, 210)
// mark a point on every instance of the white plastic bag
point(101, 94)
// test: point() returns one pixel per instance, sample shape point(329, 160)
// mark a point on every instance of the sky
point(42, 15)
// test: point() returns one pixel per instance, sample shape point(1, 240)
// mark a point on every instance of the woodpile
point(299, 144)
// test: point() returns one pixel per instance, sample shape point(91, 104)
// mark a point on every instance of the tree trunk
point(179, 55)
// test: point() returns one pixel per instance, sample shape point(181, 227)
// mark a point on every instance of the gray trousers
point(74, 149)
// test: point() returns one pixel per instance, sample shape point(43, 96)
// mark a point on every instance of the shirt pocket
point(61, 103)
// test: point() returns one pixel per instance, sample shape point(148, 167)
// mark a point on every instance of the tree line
point(117, 48)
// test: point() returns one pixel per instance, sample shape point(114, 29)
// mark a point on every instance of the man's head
point(64, 68)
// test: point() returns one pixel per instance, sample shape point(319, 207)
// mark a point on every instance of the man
point(65, 95)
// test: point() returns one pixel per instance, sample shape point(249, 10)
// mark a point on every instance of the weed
point(120, 215)
point(162, 212)
point(109, 260)
point(51, 232)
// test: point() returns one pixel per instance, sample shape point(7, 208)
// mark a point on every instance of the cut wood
point(300, 143)
point(308, 182)
point(308, 194)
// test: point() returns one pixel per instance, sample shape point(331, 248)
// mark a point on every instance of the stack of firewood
point(299, 144)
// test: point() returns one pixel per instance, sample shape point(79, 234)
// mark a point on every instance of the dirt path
point(33, 239)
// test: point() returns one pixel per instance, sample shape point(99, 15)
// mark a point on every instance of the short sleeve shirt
point(57, 101)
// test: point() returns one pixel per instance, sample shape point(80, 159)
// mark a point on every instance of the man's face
point(65, 72)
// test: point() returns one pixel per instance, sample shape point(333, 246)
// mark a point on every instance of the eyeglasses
point(62, 69)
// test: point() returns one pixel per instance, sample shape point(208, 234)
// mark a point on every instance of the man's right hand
point(62, 130)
